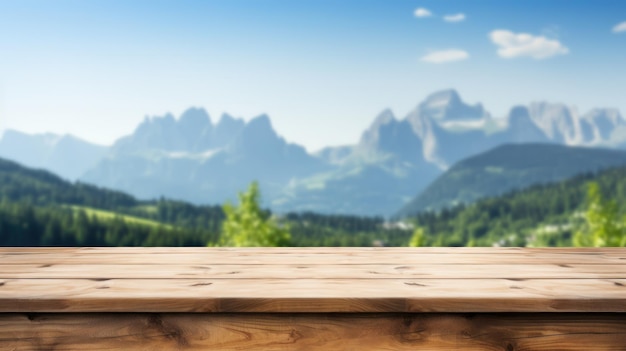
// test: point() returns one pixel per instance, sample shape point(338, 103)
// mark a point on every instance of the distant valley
point(195, 159)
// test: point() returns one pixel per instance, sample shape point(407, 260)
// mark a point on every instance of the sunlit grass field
point(105, 215)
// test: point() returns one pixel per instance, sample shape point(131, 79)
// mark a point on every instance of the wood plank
point(311, 271)
point(311, 280)
point(313, 332)
point(312, 295)
point(382, 258)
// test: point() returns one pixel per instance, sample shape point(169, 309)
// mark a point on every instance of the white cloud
point(620, 27)
point(445, 56)
point(511, 45)
point(422, 12)
point(459, 17)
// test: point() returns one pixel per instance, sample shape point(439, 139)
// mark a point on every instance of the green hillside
point(42, 188)
point(542, 215)
point(39, 187)
point(39, 208)
point(104, 215)
point(509, 167)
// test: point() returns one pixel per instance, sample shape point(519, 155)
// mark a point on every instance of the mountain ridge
point(509, 167)
point(66, 155)
point(195, 159)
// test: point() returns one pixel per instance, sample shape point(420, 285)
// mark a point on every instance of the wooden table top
point(312, 280)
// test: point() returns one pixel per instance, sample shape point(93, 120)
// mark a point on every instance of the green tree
point(249, 225)
point(418, 239)
point(602, 226)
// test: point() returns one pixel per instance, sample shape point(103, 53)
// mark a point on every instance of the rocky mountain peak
point(257, 137)
point(260, 123)
point(608, 115)
point(600, 124)
point(371, 136)
point(559, 122)
point(448, 97)
point(227, 119)
point(157, 122)
point(194, 120)
point(447, 105)
point(385, 117)
point(521, 127)
point(226, 130)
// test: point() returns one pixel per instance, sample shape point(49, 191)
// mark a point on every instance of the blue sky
point(321, 69)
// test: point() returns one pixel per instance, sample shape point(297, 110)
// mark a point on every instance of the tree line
point(565, 213)
point(34, 211)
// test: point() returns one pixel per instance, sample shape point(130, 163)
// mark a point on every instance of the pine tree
point(249, 225)
point(602, 226)
point(418, 239)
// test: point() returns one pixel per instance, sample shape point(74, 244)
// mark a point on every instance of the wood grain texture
point(330, 257)
point(311, 271)
point(312, 332)
point(190, 260)
point(312, 295)
point(312, 299)
point(290, 280)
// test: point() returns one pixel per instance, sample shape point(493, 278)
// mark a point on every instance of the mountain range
point(195, 159)
point(65, 155)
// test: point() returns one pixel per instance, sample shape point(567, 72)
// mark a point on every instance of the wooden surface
point(340, 299)
point(312, 332)
point(312, 280)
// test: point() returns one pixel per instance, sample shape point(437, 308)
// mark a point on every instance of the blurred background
point(313, 123)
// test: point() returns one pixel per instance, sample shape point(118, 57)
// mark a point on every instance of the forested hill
point(39, 208)
point(543, 215)
point(509, 167)
point(40, 187)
